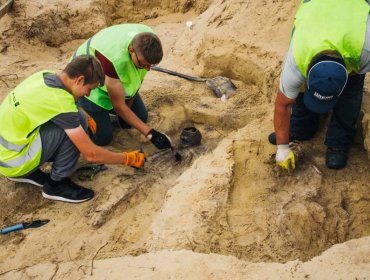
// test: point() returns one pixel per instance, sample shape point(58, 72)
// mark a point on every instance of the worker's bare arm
point(283, 107)
point(117, 95)
point(90, 151)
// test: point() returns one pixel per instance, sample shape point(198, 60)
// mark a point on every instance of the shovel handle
point(12, 228)
point(5, 7)
point(173, 73)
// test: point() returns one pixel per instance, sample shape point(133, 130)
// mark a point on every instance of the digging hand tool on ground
point(222, 87)
point(90, 170)
point(24, 225)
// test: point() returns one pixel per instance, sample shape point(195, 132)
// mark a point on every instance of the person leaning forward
point(126, 52)
point(329, 53)
point(40, 122)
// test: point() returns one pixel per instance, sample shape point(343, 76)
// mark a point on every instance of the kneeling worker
point(40, 122)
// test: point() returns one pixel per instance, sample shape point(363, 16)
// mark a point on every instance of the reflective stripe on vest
point(11, 146)
point(31, 104)
point(34, 148)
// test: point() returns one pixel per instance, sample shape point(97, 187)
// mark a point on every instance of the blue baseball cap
point(325, 82)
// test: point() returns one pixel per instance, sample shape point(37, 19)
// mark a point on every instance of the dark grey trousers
point(58, 149)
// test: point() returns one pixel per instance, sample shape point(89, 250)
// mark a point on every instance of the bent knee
point(102, 140)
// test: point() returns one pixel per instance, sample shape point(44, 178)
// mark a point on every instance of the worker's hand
point(134, 159)
point(285, 157)
point(160, 140)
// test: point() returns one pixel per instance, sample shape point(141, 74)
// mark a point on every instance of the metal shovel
point(5, 7)
point(222, 87)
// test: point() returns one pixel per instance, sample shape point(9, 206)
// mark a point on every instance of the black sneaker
point(67, 191)
point(336, 158)
point(37, 178)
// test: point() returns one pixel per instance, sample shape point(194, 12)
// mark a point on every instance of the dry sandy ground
point(223, 212)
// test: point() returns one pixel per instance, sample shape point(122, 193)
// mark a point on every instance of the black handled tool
point(24, 225)
point(88, 171)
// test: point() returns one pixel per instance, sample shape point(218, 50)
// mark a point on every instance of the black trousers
point(104, 125)
point(342, 127)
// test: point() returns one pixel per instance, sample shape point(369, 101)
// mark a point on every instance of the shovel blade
point(221, 86)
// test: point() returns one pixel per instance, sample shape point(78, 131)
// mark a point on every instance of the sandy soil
point(224, 212)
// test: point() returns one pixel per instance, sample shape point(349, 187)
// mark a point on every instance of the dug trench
point(127, 201)
point(223, 197)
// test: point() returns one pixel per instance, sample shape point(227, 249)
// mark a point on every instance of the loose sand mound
point(225, 197)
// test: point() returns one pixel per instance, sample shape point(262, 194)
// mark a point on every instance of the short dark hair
point(149, 45)
point(87, 66)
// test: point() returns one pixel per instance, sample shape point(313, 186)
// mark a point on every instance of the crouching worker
point(40, 122)
point(126, 52)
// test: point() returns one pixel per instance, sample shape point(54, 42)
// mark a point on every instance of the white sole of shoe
point(25, 180)
point(59, 198)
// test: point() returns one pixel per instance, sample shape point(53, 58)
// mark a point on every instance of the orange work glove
point(90, 122)
point(134, 159)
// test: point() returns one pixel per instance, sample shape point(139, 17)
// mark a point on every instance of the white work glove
point(285, 157)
